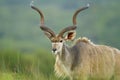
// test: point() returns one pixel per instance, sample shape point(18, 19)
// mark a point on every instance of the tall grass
point(16, 65)
point(19, 65)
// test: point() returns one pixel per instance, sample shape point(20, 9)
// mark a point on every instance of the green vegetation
point(15, 65)
point(25, 52)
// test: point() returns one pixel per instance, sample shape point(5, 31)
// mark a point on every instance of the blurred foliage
point(15, 65)
point(19, 24)
point(25, 51)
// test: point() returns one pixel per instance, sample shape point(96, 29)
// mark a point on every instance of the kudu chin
point(84, 60)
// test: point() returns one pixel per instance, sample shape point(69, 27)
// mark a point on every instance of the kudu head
point(59, 39)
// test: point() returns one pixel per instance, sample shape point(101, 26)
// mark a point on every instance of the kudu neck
point(65, 51)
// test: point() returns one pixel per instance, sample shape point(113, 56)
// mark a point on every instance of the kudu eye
point(61, 41)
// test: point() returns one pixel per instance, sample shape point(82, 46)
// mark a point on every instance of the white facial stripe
point(57, 46)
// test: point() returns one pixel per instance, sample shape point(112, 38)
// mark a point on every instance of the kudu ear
point(47, 31)
point(70, 35)
point(48, 35)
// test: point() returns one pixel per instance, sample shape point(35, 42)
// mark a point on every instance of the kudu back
point(84, 60)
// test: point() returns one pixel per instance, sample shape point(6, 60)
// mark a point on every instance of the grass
point(25, 65)
point(15, 65)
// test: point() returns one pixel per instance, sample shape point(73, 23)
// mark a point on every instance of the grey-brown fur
point(87, 60)
point(84, 59)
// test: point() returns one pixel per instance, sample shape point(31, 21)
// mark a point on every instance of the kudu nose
point(54, 49)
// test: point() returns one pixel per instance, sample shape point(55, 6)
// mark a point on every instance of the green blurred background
point(25, 51)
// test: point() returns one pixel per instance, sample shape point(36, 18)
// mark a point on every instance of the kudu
point(84, 60)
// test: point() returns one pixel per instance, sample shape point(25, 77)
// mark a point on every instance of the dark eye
point(61, 40)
